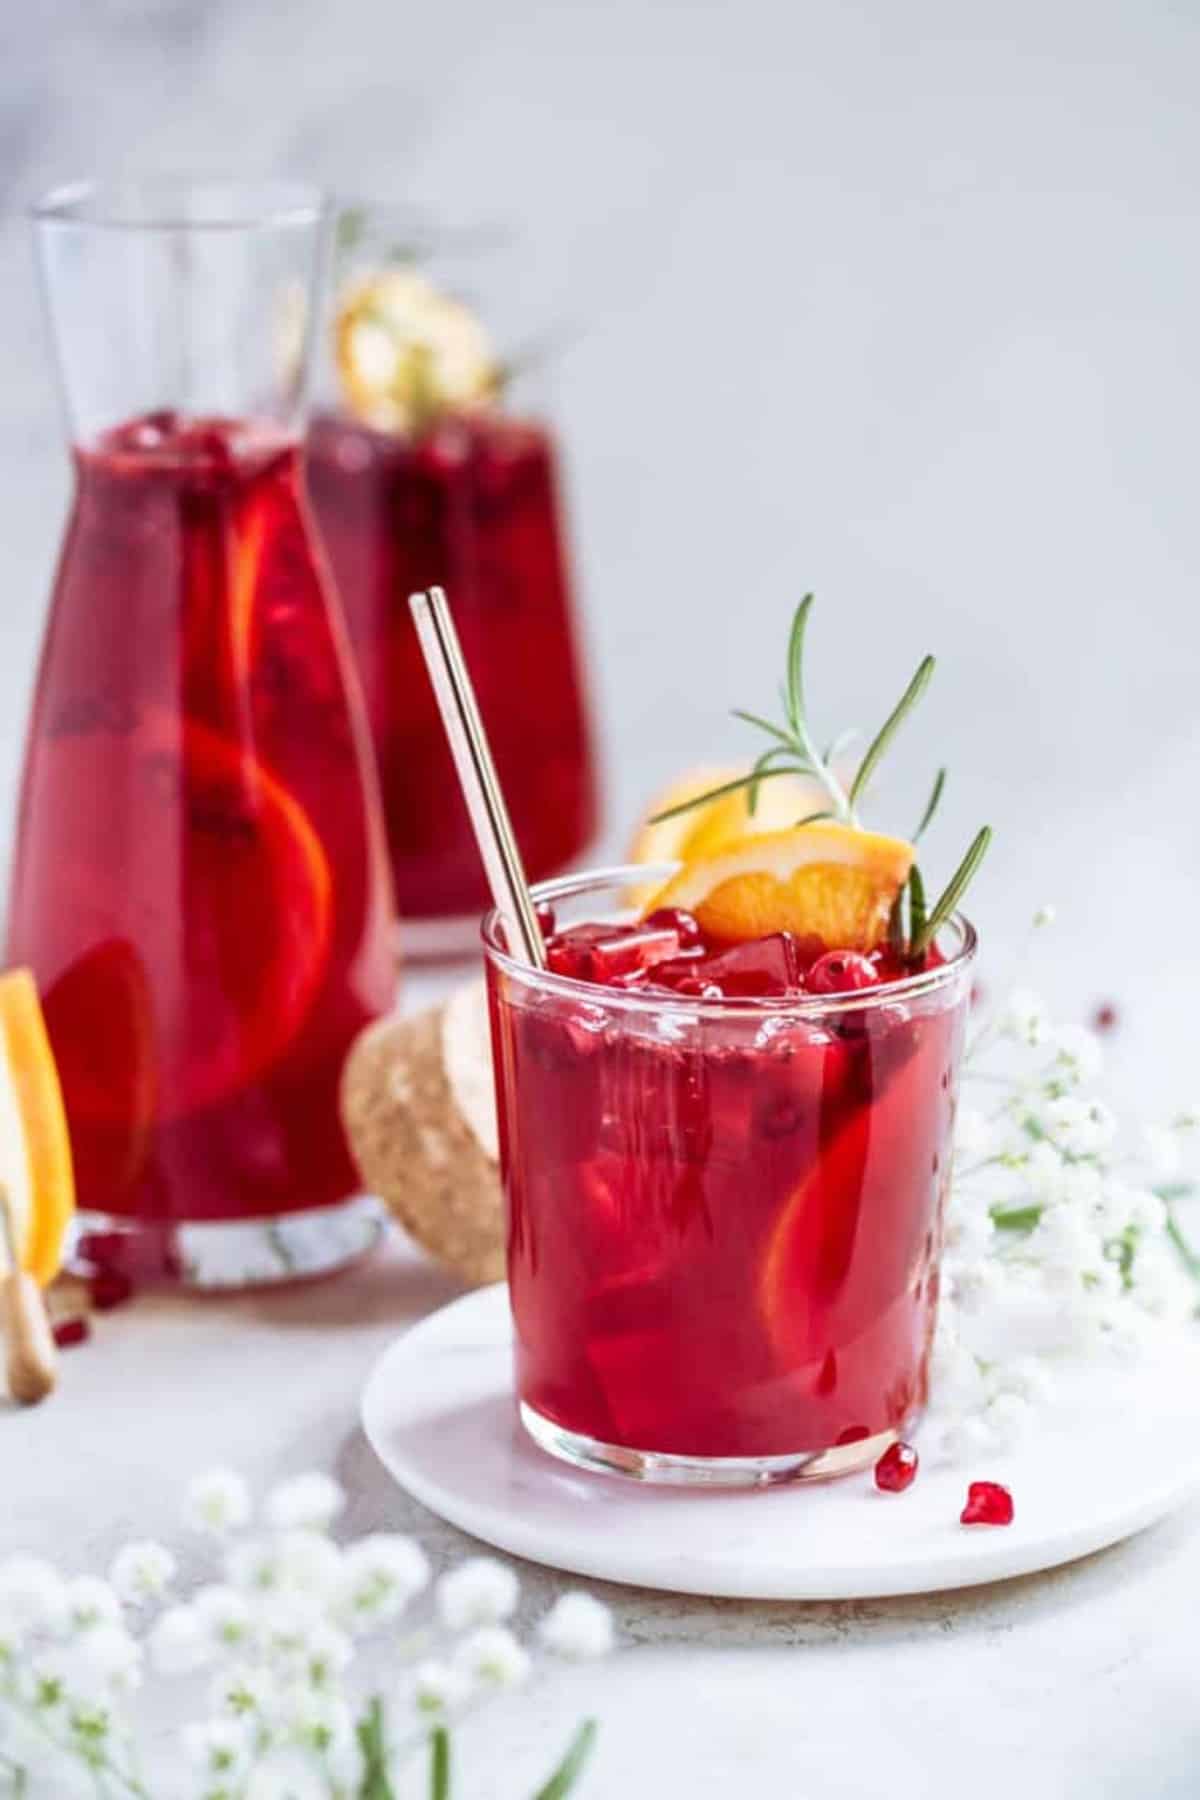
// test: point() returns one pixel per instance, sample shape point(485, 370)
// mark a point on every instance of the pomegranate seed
point(110, 1288)
point(683, 924)
point(988, 1503)
point(896, 1469)
point(69, 1332)
point(842, 972)
point(1105, 1017)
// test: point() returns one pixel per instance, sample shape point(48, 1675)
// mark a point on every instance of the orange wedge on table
point(717, 823)
point(35, 1150)
point(823, 880)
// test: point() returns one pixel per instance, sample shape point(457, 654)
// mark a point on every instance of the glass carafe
point(201, 882)
point(427, 465)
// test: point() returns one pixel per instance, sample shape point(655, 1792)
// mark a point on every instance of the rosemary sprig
point(794, 751)
point(889, 728)
point(951, 894)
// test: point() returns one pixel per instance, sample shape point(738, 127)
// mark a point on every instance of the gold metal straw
point(477, 773)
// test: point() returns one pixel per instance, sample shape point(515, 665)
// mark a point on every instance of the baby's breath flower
point(480, 1591)
point(244, 1690)
point(219, 1747)
point(217, 1502)
point(1080, 1127)
point(380, 1575)
point(284, 1623)
point(287, 1772)
point(1077, 1053)
point(91, 1601)
point(142, 1571)
point(309, 1560)
point(1025, 1018)
point(974, 1134)
point(322, 1657)
point(255, 1565)
point(1045, 915)
point(308, 1502)
point(109, 1660)
point(439, 1688)
point(1024, 1376)
point(578, 1626)
point(33, 1596)
point(317, 1721)
point(491, 1657)
point(1045, 1171)
point(179, 1643)
point(966, 1437)
point(223, 1614)
point(1007, 1418)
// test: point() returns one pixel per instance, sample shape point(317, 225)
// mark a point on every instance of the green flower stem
point(572, 1765)
point(439, 1763)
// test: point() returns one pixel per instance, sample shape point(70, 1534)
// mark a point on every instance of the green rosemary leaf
point(439, 1763)
point(795, 667)
point(918, 912)
point(749, 718)
point(812, 818)
point(889, 728)
point(953, 892)
point(571, 1767)
point(726, 787)
point(762, 766)
point(897, 934)
point(841, 742)
point(931, 806)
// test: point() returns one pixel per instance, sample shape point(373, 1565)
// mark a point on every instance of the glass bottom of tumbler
point(665, 1469)
point(233, 1253)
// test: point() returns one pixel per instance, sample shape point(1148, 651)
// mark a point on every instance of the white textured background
point(896, 302)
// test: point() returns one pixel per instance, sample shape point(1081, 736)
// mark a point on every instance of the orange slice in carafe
point(194, 918)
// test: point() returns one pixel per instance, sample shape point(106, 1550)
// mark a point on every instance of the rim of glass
point(565, 887)
point(182, 203)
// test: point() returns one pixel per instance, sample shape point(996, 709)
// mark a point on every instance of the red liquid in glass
point(201, 883)
point(472, 507)
point(724, 1232)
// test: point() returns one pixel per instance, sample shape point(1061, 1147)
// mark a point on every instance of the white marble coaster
point(1118, 1449)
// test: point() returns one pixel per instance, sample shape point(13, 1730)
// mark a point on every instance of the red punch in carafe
point(428, 473)
point(200, 883)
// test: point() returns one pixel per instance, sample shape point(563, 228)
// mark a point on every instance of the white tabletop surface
point(1081, 1681)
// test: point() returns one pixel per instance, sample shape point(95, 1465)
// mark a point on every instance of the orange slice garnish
point(827, 881)
point(407, 352)
point(35, 1150)
point(726, 820)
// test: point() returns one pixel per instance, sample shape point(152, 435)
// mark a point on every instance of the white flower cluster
point(1058, 1238)
point(274, 1639)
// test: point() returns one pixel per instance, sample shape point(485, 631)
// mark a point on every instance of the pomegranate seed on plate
point(896, 1469)
point(988, 1503)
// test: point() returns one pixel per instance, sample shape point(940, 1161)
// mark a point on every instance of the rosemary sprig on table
point(794, 751)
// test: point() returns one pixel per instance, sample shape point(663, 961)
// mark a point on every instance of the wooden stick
point(32, 1357)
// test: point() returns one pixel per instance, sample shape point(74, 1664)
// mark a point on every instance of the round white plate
point(1118, 1448)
